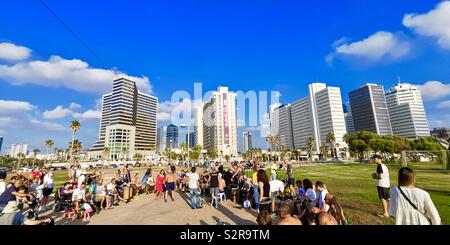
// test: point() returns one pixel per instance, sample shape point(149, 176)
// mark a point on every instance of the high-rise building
point(172, 137)
point(247, 141)
point(369, 109)
point(315, 116)
point(220, 123)
point(348, 118)
point(406, 111)
point(281, 126)
point(1, 143)
point(128, 122)
point(18, 148)
point(191, 139)
point(161, 142)
point(198, 125)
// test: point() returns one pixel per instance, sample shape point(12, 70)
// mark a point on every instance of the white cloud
point(88, 115)
point(74, 106)
point(47, 125)
point(57, 113)
point(435, 23)
point(72, 74)
point(7, 106)
point(379, 46)
point(434, 90)
point(11, 52)
point(170, 111)
point(444, 105)
point(23, 122)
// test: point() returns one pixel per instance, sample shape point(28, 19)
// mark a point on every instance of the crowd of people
point(278, 199)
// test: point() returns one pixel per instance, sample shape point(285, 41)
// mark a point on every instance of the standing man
point(194, 188)
point(273, 171)
point(214, 186)
point(383, 183)
point(290, 181)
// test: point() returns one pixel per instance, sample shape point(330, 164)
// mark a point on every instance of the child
point(301, 191)
point(86, 211)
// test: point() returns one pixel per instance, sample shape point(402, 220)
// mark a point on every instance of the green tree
point(212, 154)
point(48, 144)
point(74, 126)
point(106, 153)
point(311, 144)
point(35, 152)
point(331, 139)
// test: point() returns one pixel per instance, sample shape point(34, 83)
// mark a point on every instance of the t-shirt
point(406, 214)
point(255, 178)
point(2, 187)
point(383, 182)
point(289, 170)
point(7, 195)
point(48, 178)
point(312, 195)
point(276, 185)
point(193, 180)
point(16, 218)
point(214, 180)
point(321, 197)
point(110, 188)
point(78, 194)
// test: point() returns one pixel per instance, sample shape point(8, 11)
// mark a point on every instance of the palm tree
point(74, 126)
point(324, 151)
point(137, 156)
point(124, 151)
point(184, 148)
point(274, 141)
point(331, 139)
point(35, 152)
point(49, 144)
point(311, 143)
point(20, 156)
point(106, 153)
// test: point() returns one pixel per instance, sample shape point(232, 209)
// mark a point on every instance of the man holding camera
point(383, 183)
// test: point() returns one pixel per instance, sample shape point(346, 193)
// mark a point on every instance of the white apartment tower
point(406, 111)
point(281, 126)
point(128, 122)
point(318, 115)
point(161, 142)
point(219, 123)
point(198, 125)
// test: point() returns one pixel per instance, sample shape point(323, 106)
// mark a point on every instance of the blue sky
point(246, 45)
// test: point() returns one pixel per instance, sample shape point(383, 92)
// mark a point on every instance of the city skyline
point(216, 52)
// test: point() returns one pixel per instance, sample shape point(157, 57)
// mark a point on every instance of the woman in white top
point(410, 205)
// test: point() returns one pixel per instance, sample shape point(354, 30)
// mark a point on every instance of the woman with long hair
point(335, 209)
point(265, 196)
point(160, 181)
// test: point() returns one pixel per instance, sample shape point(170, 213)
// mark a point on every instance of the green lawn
point(356, 190)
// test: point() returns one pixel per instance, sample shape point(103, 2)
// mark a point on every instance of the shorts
point(47, 191)
point(214, 191)
point(290, 181)
point(170, 186)
point(383, 193)
point(275, 195)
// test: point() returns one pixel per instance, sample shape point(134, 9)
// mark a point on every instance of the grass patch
point(356, 190)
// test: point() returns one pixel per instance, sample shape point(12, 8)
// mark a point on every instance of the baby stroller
point(63, 202)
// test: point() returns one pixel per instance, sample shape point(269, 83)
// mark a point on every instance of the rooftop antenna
point(398, 77)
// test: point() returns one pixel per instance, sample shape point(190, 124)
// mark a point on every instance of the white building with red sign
point(219, 123)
